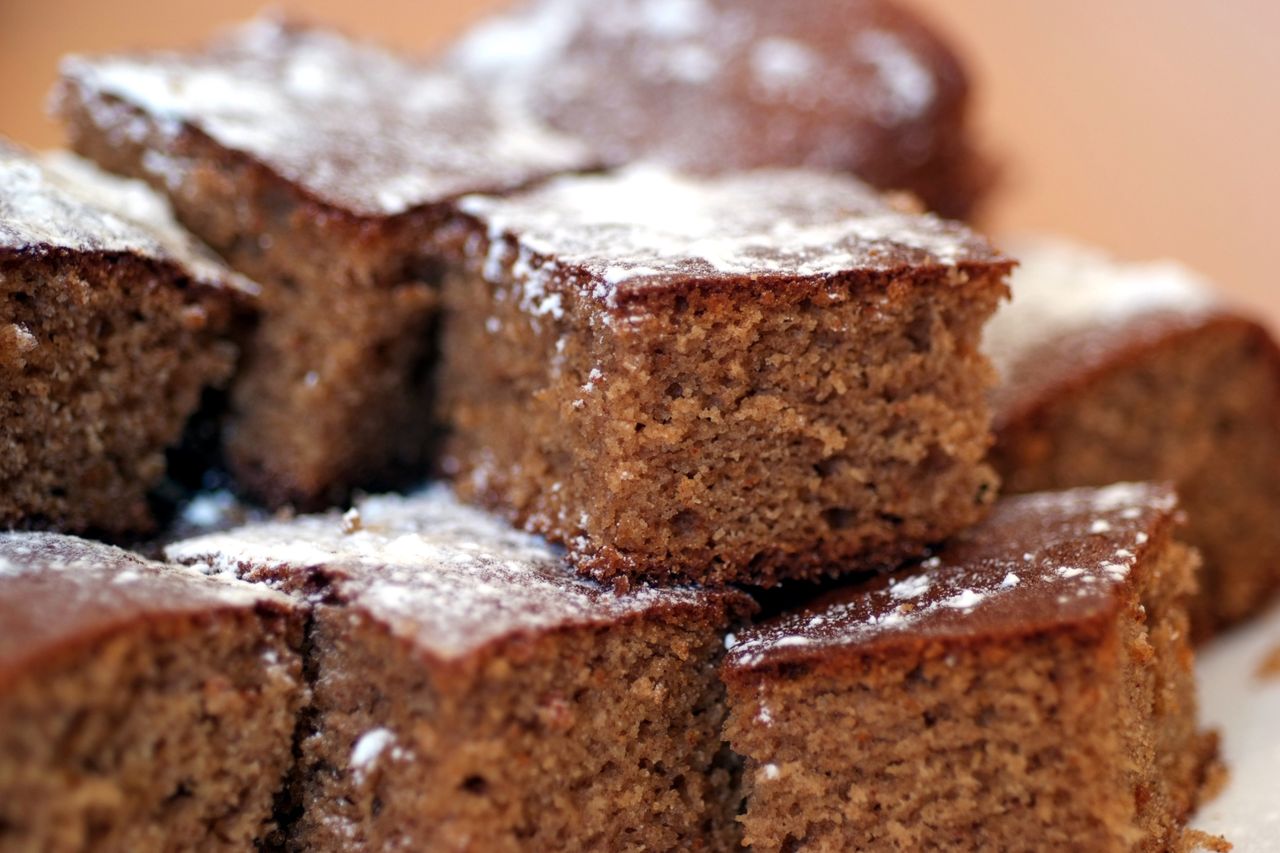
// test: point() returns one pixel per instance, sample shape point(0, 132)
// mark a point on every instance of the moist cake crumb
point(943, 706)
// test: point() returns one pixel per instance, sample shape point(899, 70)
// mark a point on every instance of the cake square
point(1121, 371)
point(321, 167)
point(748, 378)
point(113, 321)
point(1029, 686)
point(713, 86)
point(142, 707)
point(472, 692)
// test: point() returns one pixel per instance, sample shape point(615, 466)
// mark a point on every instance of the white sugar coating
point(1038, 554)
point(1060, 288)
point(648, 225)
point(448, 576)
point(356, 126)
point(370, 745)
point(909, 86)
point(57, 201)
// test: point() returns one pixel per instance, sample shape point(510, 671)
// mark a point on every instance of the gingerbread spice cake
point(321, 167)
point(472, 692)
point(1028, 687)
point(860, 86)
point(746, 378)
point(142, 707)
point(1115, 371)
point(112, 323)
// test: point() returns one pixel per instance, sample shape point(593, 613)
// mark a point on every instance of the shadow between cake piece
point(142, 707)
point(472, 692)
point(749, 378)
point(1117, 371)
point(714, 86)
point(1030, 686)
point(113, 321)
point(322, 167)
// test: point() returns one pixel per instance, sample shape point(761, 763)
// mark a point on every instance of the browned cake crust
point(1141, 374)
point(142, 707)
point(321, 167)
point(472, 692)
point(1029, 687)
point(860, 86)
point(112, 323)
point(749, 378)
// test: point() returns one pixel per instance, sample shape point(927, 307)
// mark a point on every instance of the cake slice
point(322, 167)
point(1028, 687)
point(1114, 371)
point(747, 378)
point(112, 323)
point(472, 692)
point(142, 707)
point(860, 86)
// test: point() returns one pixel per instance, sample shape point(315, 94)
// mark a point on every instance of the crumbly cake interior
point(345, 335)
point(1202, 409)
point(1065, 741)
point(592, 739)
point(104, 360)
point(173, 735)
point(719, 437)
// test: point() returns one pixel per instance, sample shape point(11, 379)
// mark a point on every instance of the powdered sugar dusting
point(1059, 289)
point(1040, 557)
point(645, 226)
point(357, 126)
point(58, 201)
point(446, 575)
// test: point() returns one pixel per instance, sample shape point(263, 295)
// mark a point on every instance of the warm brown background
point(1150, 126)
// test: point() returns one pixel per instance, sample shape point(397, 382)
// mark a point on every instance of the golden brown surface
point(1139, 126)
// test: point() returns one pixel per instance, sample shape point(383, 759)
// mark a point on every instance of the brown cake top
point(352, 125)
point(59, 591)
point(1040, 563)
point(446, 576)
point(1074, 309)
point(711, 85)
point(58, 202)
point(646, 228)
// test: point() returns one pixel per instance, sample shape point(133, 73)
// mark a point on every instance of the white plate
point(1246, 710)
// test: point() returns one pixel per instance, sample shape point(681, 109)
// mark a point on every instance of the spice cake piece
point(761, 376)
point(472, 692)
point(861, 86)
point(321, 167)
point(1029, 687)
point(142, 707)
point(1116, 371)
point(112, 322)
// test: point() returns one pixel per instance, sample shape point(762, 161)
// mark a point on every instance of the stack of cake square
point(699, 544)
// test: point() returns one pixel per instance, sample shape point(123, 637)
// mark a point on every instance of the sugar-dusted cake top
point(58, 202)
point(350, 124)
point(1074, 309)
point(57, 590)
point(716, 84)
point(1060, 288)
point(1041, 562)
point(646, 227)
point(447, 576)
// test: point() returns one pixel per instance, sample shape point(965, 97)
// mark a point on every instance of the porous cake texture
point(1113, 371)
point(320, 166)
point(710, 86)
point(769, 375)
point(1029, 687)
point(472, 692)
point(142, 707)
point(112, 323)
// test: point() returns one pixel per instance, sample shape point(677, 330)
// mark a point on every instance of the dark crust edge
point(835, 659)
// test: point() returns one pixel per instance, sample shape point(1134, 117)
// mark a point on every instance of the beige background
point(1150, 126)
